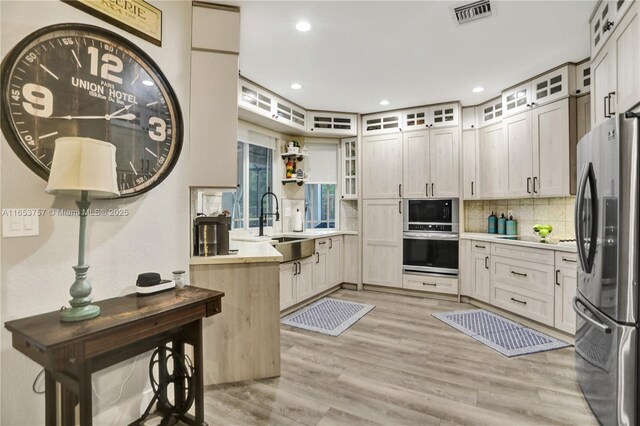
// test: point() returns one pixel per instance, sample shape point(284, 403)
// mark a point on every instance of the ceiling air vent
point(472, 11)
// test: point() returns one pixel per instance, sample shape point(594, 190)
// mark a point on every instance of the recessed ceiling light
point(384, 102)
point(478, 89)
point(303, 26)
point(147, 82)
point(296, 86)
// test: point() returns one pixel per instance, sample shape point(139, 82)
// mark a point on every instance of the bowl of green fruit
point(542, 231)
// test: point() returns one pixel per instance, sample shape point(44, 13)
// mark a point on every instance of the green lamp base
point(80, 313)
point(81, 308)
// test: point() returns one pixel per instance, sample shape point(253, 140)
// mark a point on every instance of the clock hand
point(130, 116)
point(113, 114)
point(83, 117)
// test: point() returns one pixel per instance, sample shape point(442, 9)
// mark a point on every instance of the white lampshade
point(83, 164)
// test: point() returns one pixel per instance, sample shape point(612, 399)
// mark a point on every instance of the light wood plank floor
point(399, 365)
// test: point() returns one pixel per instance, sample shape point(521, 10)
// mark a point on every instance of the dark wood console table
point(127, 326)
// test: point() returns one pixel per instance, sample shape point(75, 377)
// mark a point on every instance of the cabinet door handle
point(299, 268)
point(433, 191)
point(605, 107)
point(295, 268)
point(611, 113)
point(486, 262)
point(519, 301)
point(400, 207)
point(528, 185)
point(400, 190)
point(471, 188)
point(566, 259)
point(430, 284)
point(317, 257)
point(520, 274)
point(426, 189)
point(330, 243)
point(557, 277)
point(535, 191)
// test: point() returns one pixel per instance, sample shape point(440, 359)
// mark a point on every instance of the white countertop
point(313, 233)
point(253, 249)
point(495, 238)
point(248, 252)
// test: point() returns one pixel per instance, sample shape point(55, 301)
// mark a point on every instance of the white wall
point(36, 271)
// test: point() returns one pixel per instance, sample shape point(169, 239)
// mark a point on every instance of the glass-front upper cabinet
point(349, 169)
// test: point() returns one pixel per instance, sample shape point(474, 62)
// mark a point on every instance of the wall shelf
point(299, 156)
point(300, 182)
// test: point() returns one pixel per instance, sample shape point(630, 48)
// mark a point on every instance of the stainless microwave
point(433, 215)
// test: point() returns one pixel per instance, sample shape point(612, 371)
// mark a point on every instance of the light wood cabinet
point(519, 146)
point(605, 20)
point(491, 151)
point(322, 123)
point(430, 160)
point(416, 164)
point(491, 112)
point(552, 165)
point(470, 164)
point(542, 90)
point(297, 281)
point(444, 115)
point(351, 260)
point(334, 262)
point(213, 126)
point(382, 242)
point(538, 145)
point(305, 279)
point(480, 277)
point(287, 284)
point(382, 123)
point(616, 67)
point(583, 116)
point(565, 290)
point(583, 78)
point(321, 259)
point(430, 283)
point(382, 166)
point(349, 169)
point(280, 114)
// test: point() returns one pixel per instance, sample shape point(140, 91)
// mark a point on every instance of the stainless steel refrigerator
point(606, 223)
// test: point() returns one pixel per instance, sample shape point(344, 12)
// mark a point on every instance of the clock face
point(80, 80)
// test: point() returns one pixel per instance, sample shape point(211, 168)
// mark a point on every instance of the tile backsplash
point(557, 212)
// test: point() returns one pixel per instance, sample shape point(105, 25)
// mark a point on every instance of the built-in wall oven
point(430, 237)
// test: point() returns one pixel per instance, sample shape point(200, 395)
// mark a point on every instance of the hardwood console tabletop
point(127, 326)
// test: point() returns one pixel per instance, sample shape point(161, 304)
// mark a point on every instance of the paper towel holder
point(297, 221)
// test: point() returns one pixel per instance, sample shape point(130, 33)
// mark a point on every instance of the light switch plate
point(20, 223)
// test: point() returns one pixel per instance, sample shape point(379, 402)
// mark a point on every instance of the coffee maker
point(211, 235)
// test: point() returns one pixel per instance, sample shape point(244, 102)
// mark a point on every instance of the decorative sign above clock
point(81, 80)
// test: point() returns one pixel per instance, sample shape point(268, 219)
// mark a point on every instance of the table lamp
point(84, 168)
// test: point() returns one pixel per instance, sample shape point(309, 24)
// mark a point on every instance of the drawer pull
point(519, 301)
point(431, 284)
point(566, 259)
point(519, 274)
point(479, 246)
point(322, 243)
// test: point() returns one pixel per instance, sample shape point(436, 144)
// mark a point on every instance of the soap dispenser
point(502, 224)
point(512, 225)
point(492, 224)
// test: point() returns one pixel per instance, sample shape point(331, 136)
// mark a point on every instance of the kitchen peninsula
point(245, 343)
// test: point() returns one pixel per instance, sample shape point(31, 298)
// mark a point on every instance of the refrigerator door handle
point(586, 259)
point(600, 326)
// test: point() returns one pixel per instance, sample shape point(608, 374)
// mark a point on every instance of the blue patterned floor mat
point(328, 316)
point(505, 336)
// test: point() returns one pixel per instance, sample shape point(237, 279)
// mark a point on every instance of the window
point(255, 176)
point(320, 205)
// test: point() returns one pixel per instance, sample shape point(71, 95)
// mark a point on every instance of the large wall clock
point(81, 80)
